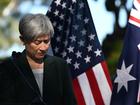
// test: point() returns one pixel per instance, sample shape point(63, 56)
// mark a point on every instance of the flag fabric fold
point(126, 90)
point(76, 41)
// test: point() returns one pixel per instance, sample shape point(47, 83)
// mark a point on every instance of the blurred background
point(109, 16)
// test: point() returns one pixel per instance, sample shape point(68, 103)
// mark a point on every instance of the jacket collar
point(25, 70)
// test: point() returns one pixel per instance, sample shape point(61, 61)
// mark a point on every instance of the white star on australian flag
point(123, 76)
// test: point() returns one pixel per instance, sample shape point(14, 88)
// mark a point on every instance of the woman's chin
point(40, 57)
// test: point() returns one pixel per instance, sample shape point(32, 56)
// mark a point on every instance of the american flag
point(126, 88)
point(75, 40)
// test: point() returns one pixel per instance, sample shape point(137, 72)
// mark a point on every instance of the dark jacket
point(18, 85)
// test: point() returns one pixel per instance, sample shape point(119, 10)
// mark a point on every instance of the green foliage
point(113, 57)
point(3, 42)
point(3, 4)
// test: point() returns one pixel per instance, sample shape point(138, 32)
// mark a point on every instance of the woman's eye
point(46, 41)
point(37, 42)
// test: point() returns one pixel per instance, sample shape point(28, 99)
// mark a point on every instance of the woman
point(32, 77)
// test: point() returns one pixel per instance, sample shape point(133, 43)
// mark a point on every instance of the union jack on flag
point(126, 88)
point(76, 41)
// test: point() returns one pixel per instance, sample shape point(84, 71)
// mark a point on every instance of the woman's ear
point(22, 39)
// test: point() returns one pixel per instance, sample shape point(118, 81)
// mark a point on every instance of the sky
point(103, 20)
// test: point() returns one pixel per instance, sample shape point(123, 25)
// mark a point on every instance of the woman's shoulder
point(7, 62)
point(4, 65)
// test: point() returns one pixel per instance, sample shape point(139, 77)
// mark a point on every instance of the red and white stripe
point(94, 86)
point(135, 14)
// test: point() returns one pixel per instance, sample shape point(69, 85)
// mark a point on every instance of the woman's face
point(37, 48)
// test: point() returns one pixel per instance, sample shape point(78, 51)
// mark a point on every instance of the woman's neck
point(35, 64)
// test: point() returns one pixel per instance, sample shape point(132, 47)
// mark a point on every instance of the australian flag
point(126, 88)
point(76, 41)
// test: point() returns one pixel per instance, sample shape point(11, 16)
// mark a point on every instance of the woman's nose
point(44, 46)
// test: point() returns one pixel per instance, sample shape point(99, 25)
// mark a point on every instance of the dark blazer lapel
point(47, 77)
point(52, 83)
point(26, 72)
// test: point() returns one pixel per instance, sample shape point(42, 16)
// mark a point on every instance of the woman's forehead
point(43, 36)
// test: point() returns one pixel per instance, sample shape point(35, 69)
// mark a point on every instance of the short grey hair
point(33, 25)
